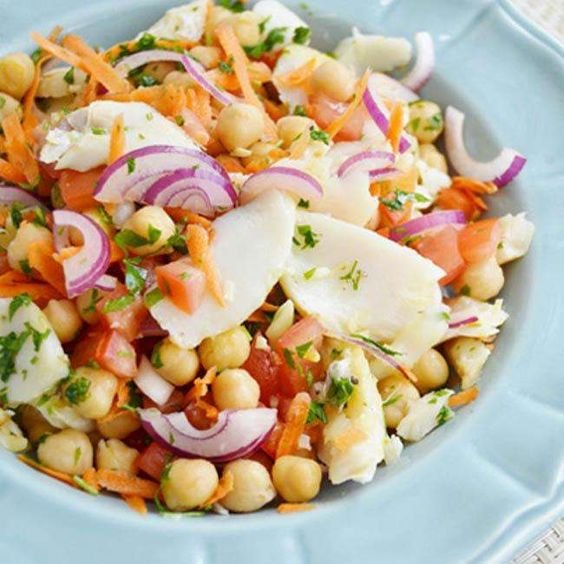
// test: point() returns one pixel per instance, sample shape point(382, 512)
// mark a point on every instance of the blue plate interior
point(477, 488)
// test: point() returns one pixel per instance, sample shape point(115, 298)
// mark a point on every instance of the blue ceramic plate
point(478, 488)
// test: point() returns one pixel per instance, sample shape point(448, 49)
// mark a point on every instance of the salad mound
point(233, 266)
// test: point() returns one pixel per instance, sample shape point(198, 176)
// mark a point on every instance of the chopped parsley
point(303, 204)
point(308, 239)
point(234, 5)
point(153, 297)
point(289, 358)
point(77, 454)
point(2, 102)
point(69, 76)
point(391, 399)
point(400, 198)
point(153, 234)
point(180, 121)
point(156, 359)
point(77, 391)
point(178, 242)
point(117, 304)
point(141, 79)
point(36, 55)
point(134, 400)
point(465, 290)
point(340, 391)
point(16, 214)
point(10, 346)
point(302, 350)
point(299, 110)
point(319, 135)
point(39, 217)
point(383, 348)
point(98, 131)
point(226, 67)
point(316, 413)
point(135, 276)
point(130, 165)
point(443, 415)
point(145, 42)
point(309, 274)
point(302, 35)
point(353, 275)
point(434, 123)
point(128, 238)
point(22, 300)
point(26, 269)
point(84, 485)
point(274, 37)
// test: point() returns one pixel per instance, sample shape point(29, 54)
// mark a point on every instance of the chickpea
point(58, 83)
point(209, 57)
point(115, 455)
point(64, 318)
point(425, 121)
point(252, 487)
point(18, 248)
point(334, 79)
point(9, 105)
point(188, 484)
point(432, 157)
point(102, 386)
point(154, 224)
point(33, 423)
point(246, 26)
point(86, 305)
point(235, 388)
point(431, 371)
point(180, 78)
point(291, 127)
point(229, 349)
point(67, 451)
point(481, 280)
point(397, 392)
point(120, 426)
point(176, 365)
point(16, 74)
point(159, 70)
point(296, 479)
point(239, 126)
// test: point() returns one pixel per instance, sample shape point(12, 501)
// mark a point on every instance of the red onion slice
point(106, 283)
point(192, 67)
point(236, 433)
point(462, 322)
point(85, 268)
point(426, 222)
point(11, 194)
point(281, 178)
point(366, 160)
point(379, 113)
point(151, 383)
point(385, 173)
point(421, 71)
point(392, 89)
point(501, 170)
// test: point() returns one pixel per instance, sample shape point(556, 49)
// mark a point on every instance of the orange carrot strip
point(230, 164)
point(89, 477)
point(123, 483)
point(19, 153)
point(30, 121)
point(395, 126)
point(10, 173)
point(294, 507)
point(61, 476)
point(57, 51)
point(297, 76)
point(200, 387)
point(275, 111)
point(295, 424)
point(178, 214)
point(463, 398)
point(135, 502)
point(342, 120)
point(117, 140)
point(224, 486)
point(473, 185)
point(40, 257)
point(271, 308)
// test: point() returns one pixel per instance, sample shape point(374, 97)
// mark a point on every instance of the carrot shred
point(275, 111)
point(13, 283)
point(40, 257)
point(224, 486)
point(298, 76)
point(295, 424)
point(30, 121)
point(461, 199)
point(10, 173)
point(230, 164)
point(61, 476)
point(198, 241)
point(475, 186)
point(179, 214)
point(89, 477)
point(57, 51)
point(294, 507)
point(463, 398)
point(200, 387)
point(342, 120)
point(117, 140)
point(125, 484)
point(395, 126)
point(136, 502)
point(19, 153)
point(271, 308)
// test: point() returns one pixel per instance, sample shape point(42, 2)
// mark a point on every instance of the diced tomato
point(271, 443)
point(116, 355)
point(304, 331)
point(261, 366)
point(262, 458)
point(325, 111)
point(77, 188)
point(85, 350)
point(153, 460)
point(478, 241)
point(441, 247)
point(184, 283)
point(391, 218)
point(4, 264)
point(127, 320)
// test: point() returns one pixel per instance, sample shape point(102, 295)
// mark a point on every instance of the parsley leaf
point(319, 135)
point(156, 359)
point(22, 300)
point(95, 297)
point(145, 42)
point(234, 5)
point(444, 415)
point(302, 35)
point(98, 130)
point(303, 204)
point(309, 238)
point(134, 276)
point(153, 297)
point(308, 274)
point(275, 36)
point(316, 413)
point(130, 165)
point(117, 304)
point(289, 358)
point(69, 76)
point(303, 349)
point(353, 276)
point(178, 242)
point(340, 391)
point(153, 234)
point(300, 111)
point(128, 238)
point(226, 67)
point(16, 214)
point(10, 346)
point(77, 391)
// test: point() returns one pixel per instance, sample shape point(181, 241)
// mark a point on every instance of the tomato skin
point(305, 330)
point(441, 247)
point(77, 188)
point(478, 241)
point(262, 367)
point(183, 283)
point(153, 460)
point(116, 355)
point(325, 111)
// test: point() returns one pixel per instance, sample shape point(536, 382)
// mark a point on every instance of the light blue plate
point(478, 488)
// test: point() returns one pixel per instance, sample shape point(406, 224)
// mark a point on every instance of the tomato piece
point(153, 460)
point(4, 264)
point(85, 350)
point(391, 218)
point(304, 331)
point(116, 355)
point(478, 241)
point(441, 247)
point(77, 188)
point(183, 283)
point(261, 366)
point(325, 111)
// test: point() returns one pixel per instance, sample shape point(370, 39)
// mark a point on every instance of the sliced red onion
point(150, 328)
point(106, 283)
point(501, 170)
point(367, 160)
point(462, 322)
point(192, 67)
point(426, 222)
point(85, 268)
point(385, 173)
point(392, 89)
point(119, 182)
point(379, 113)
point(421, 71)
point(236, 433)
point(11, 195)
point(281, 178)
point(151, 383)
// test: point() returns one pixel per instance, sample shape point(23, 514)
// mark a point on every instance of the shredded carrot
point(473, 185)
point(125, 484)
point(179, 214)
point(198, 241)
point(395, 126)
point(10, 173)
point(275, 111)
point(135, 502)
point(342, 120)
point(349, 438)
point(230, 164)
point(271, 308)
point(117, 140)
point(294, 507)
point(298, 76)
point(224, 486)
point(66, 253)
point(40, 257)
point(89, 92)
point(463, 398)
point(89, 477)
point(295, 424)
point(116, 253)
point(66, 478)
point(19, 153)
point(30, 121)
point(461, 199)
point(200, 387)
point(57, 51)
point(116, 50)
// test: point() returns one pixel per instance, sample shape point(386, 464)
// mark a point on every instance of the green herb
point(141, 79)
point(178, 242)
point(336, 353)
point(413, 125)
point(308, 274)
point(163, 512)
point(340, 391)
point(134, 276)
point(24, 265)
point(226, 67)
point(289, 358)
point(69, 76)
point(302, 349)
point(2, 102)
point(443, 415)
point(302, 35)
point(77, 391)
point(128, 238)
point(393, 398)
point(117, 304)
point(145, 42)
point(149, 116)
point(56, 197)
point(156, 359)
point(353, 276)
point(153, 297)
point(300, 111)
point(165, 474)
point(95, 297)
point(36, 55)
point(180, 121)
point(400, 197)
point(383, 348)
point(262, 24)
point(319, 135)
point(135, 399)
point(10, 346)
point(275, 36)
point(234, 5)
point(83, 485)
point(316, 413)
point(39, 217)
point(21, 300)
point(465, 290)
point(77, 453)
point(435, 122)
point(93, 364)
point(153, 234)
point(98, 131)
point(4, 396)
point(303, 204)
point(445, 315)
point(16, 214)
point(309, 237)
point(105, 216)
point(130, 165)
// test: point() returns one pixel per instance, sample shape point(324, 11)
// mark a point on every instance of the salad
point(233, 266)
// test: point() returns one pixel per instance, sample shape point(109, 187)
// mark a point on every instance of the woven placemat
point(549, 547)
